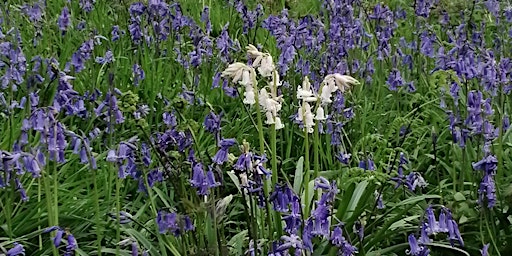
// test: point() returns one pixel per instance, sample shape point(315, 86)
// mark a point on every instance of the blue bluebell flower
point(16, 250)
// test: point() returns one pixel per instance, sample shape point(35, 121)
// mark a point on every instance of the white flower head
point(234, 71)
point(304, 92)
point(249, 97)
point(278, 123)
point(262, 61)
point(320, 114)
point(342, 82)
point(307, 117)
point(245, 76)
point(271, 106)
point(267, 67)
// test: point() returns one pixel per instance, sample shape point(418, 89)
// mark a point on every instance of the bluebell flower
point(453, 233)
point(172, 222)
point(212, 123)
point(505, 123)
point(424, 237)
point(293, 221)
point(135, 249)
point(432, 224)
point(64, 19)
point(487, 191)
point(154, 176)
point(72, 245)
point(344, 158)
point(395, 80)
point(484, 250)
point(258, 162)
point(281, 198)
point(34, 12)
point(146, 154)
point(22, 191)
point(138, 74)
point(415, 248)
point(488, 164)
point(338, 240)
point(414, 179)
point(291, 241)
point(86, 5)
point(116, 33)
point(16, 250)
point(205, 18)
point(244, 162)
point(108, 58)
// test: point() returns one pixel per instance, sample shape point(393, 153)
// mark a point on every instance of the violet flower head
point(64, 19)
point(488, 164)
point(201, 181)
point(174, 223)
point(344, 158)
point(72, 244)
point(338, 240)
point(86, 5)
point(454, 233)
point(108, 58)
point(293, 221)
point(415, 248)
point(212, 123)
point(16, 250)
point(432, 224)
point(116, 33)
point(484, 250)
point(138, 74)
point(414, 179)
point(281, 198)
point(423, 7)
point(222, 154)
point(395, 80)
point(505, 123)
point(34, 12)
point(487, 191)
point(155, 176)
point(205, 18)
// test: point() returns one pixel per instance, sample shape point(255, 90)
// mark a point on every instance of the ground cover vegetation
point(228, 127)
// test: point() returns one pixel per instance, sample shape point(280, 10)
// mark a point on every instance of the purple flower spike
point(64, 19)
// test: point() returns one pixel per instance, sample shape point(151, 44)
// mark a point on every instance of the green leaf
point(459, 197)
point(299, 171)
point(354, 200)
point(237, 242)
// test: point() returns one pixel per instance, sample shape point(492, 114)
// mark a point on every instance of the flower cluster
point(250, 170)
point(431, 226)
point(245, 75)
point(331, 84)
point(412, 180)
point(173, 223)
point(59, 233)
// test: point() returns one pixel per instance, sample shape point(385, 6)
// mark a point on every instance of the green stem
point(277, 215)
point(97, 208)
point(161, 241)
point(316, 147)
point(306, 174)
point(266, 185)
point(55, 194)
point(118, 214)
point(48, 195)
